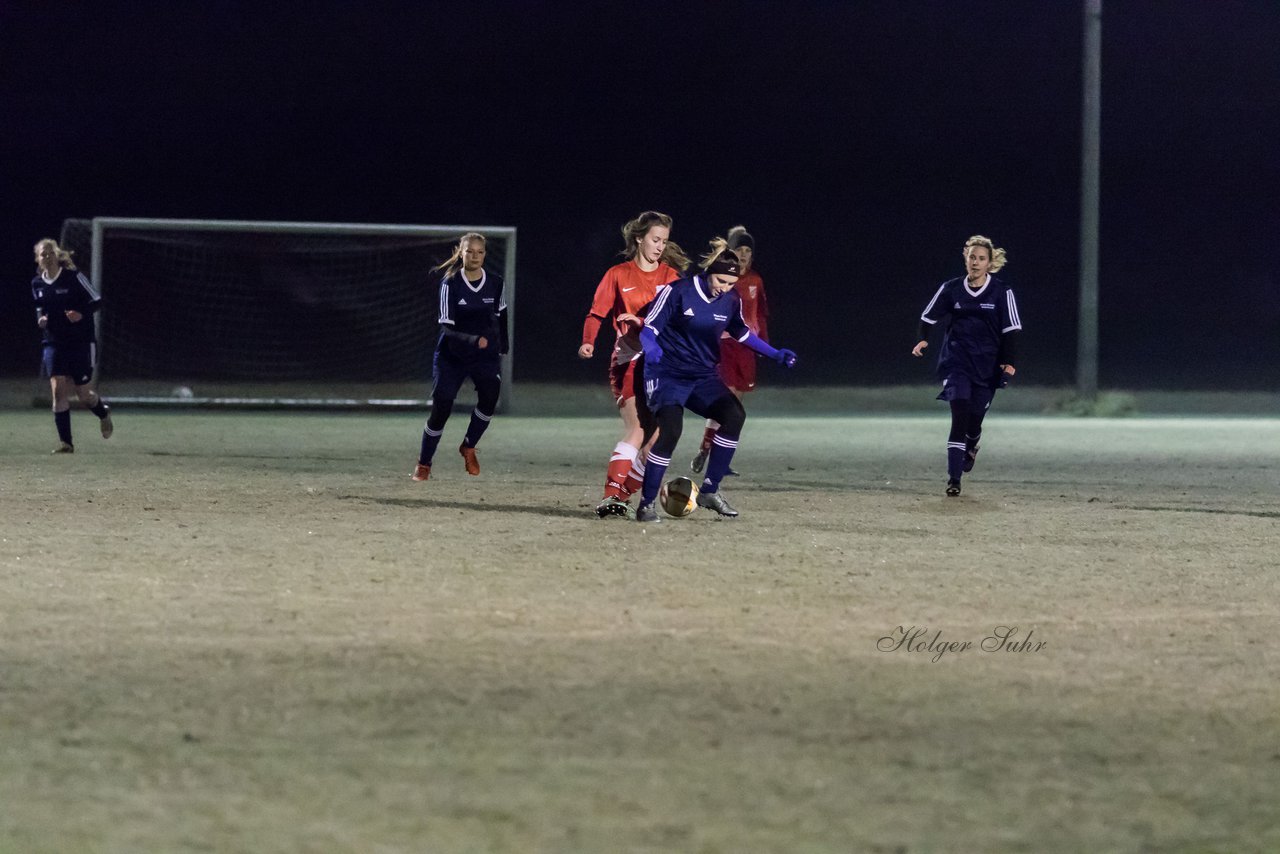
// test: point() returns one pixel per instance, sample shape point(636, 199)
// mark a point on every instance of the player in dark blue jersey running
point(978, 348)
point(473, 337)
point(65, 302)
point(681, 340)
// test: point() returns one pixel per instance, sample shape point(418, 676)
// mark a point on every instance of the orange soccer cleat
point(421, 472)
point(469, 459)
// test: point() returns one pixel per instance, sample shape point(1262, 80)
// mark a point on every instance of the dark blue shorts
point(695, 395)
point(960, 387)
point(69, 360)
point(449, 373)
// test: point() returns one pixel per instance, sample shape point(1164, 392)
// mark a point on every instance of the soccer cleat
point(614, 506)
point(953, 488)
point(421, 472)
point(730, 473)
point(648, 513)
point(970, 457)
point(469, 459)
point(64, 448)
point(104, 423)
point(698, 462)
point(715, 501)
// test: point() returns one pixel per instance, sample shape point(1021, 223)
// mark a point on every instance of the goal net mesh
point(264, 314)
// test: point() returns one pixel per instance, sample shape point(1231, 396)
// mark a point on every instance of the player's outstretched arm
point(784, 357)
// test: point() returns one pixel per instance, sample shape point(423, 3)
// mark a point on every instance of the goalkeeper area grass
point(253, 632)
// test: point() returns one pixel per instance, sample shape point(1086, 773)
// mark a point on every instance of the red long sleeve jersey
point(625, 289)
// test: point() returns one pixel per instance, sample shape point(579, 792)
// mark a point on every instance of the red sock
point(635, 480)
point(619, 467)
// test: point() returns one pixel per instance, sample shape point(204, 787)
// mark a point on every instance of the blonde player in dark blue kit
point(978, 348)
point(65, 302)
point(681, 340)
point(473, 337)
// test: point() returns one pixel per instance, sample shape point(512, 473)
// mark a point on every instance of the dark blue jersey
point(978, 323)
point(470, 311)
point(70, 290)
point(687, 321)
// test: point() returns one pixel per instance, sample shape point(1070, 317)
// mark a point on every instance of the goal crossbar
point(101, 226)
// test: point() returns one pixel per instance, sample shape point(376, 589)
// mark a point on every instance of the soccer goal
point(272, 314)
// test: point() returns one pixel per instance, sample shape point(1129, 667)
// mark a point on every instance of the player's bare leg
point(60, 391)
point(95, 404)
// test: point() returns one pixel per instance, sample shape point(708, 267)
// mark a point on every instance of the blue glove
point(786, 358)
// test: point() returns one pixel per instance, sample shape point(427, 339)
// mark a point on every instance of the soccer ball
point(678, 497)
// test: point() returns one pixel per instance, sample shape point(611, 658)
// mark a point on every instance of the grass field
point(252, 632)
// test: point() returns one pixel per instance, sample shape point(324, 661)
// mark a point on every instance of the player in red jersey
point(652, 261)
point(737, 361)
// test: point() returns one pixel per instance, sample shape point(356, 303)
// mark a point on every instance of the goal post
point(244, 313)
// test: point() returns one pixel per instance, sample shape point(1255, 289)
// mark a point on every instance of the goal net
point(232, 313)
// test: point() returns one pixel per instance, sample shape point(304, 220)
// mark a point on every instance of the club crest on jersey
point(751, 291)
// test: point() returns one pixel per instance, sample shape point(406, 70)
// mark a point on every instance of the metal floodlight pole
point(509, 277)
point(1087, 344)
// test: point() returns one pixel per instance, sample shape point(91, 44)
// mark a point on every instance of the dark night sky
point(861, 142)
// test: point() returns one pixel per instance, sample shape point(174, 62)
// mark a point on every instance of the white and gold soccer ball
point(678, 497)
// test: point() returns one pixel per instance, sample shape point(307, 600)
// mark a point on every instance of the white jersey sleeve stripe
point(743, 321)
point(1015, 322)
point(88, 286)
point(928, 308)
point(444, 301)
point(658, 303)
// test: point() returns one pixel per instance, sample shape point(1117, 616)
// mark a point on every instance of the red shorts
point(623, 380)
point(737, 365)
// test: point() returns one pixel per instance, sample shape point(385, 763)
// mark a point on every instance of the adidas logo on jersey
point(689, 312)
point(463, 301)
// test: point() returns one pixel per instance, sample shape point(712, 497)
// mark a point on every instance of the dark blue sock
point(62, 420)
point(722, 449)
point(655, 469)
point(430, 441)
point(100, 408)
point(479, 422)
point(955, 460)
